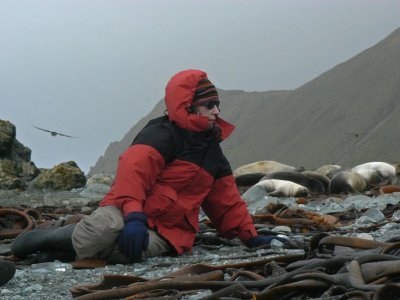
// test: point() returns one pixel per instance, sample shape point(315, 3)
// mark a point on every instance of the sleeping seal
point(264, 167)
point(329, 170)
point(320, 177)
point(283, 188)
point(377, 172)
point(347, 182)
point(248, 179)
point(313, 185)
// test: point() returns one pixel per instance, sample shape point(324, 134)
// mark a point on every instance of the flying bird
point(54, 133)
point(357, 135)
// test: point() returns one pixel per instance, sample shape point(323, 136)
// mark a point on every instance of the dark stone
point(7, 137)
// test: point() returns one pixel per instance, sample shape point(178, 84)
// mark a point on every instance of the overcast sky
point(93, 68)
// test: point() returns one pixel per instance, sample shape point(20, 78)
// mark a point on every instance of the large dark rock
point(20, 152)
point(9, 178)
point(16, 167)
point(7, 137)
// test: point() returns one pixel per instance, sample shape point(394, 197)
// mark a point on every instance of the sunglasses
point(210, 104)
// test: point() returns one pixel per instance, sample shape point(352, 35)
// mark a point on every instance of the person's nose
point(215, 110)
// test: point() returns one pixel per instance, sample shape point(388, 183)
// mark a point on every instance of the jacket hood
point(179, 96)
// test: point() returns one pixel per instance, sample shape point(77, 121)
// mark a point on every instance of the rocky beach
point(369, 217)
point(334, 239)
point(130, 129)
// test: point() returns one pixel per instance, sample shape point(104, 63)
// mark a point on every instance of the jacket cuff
point(131, 206)
point(248, 234)
point(136, 216)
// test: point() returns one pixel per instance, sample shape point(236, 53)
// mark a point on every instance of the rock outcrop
point(17, 171)
point(64, 176)
point(16, 167)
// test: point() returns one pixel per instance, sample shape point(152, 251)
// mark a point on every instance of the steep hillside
point(348, 115)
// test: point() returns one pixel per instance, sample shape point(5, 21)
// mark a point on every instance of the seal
point(377, 172)
point(329, 170)
point(397, 166)
point(248, 179)
point(347, 182)
point(264, 167)
point(325, 180)
point(283, 188)
point(313, 185)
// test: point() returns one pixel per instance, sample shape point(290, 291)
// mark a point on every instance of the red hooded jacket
point(174, 167)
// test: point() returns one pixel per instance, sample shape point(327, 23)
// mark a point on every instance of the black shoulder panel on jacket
point(213, 161)
point(225, 168)
point(160, 134)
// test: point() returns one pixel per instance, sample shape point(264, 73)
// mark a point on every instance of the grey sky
point(93, 68)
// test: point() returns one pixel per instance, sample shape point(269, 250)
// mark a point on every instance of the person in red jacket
point(174, 168)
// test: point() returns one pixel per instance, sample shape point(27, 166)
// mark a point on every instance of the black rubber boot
point(52, 255)
point(52, 239)
point(7, 271)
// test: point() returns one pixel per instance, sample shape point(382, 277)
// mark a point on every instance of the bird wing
point(41, 128)
point(54, 133)
point(66, 135)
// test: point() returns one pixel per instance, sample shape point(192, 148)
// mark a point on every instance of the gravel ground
point(54, 279)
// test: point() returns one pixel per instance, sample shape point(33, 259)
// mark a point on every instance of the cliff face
point(348, 115)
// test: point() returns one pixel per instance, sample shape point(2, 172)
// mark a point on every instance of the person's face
point(209, 109)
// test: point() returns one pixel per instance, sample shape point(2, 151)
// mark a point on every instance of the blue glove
point(134, 237)
point(260, 240)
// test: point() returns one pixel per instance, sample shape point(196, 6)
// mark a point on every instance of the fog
point(93, 68)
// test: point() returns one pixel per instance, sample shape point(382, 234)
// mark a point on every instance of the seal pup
point(329, 170)
point(313, 185)
point(283, 188)
point(397, 167)
point(377, 172)
point(264, 167)
point(347, 182)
